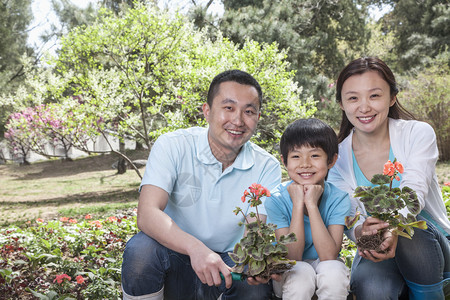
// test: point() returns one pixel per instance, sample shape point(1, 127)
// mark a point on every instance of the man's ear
point(206, 109)
point(331, 164)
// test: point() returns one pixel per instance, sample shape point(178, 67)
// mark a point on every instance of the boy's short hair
point(309, 132)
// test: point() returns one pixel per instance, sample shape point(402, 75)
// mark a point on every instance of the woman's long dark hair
point(360, 66)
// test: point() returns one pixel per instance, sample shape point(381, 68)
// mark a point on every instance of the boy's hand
point(312, 195)
point(297, 194)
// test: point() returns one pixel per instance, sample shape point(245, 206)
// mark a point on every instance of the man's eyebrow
point(232, 101)
point(228, 100)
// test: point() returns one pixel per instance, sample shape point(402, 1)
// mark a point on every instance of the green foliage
point(421, 31)
point(65, 259)
point(147, 72)
point(15, 17)
point(384, 202)
point(259, 253)
point(426, 96)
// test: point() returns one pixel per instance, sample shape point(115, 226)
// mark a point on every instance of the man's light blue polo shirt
point(202, 197)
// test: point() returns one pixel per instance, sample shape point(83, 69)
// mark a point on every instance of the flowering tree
point(36, 128)
point(147, 72)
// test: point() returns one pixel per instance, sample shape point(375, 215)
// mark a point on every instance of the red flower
point(64, 219)
point(447, 183)
point(73, 221)
point(80, 279)
point(88, 216)
point(60, 278)
point(39, 220)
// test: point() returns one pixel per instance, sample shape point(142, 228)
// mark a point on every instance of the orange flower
point(112, 218)
point(64, 219)
point(97, 223)
point(447, 183)
point(399, 167)
point(87, 217)
point(389, 168)
point(73, 221)
point(60, 278)
point(39, 220)
point(80, 279)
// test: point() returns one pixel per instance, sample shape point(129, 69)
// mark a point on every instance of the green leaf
point(380, 179)
point(286, 239)
point(239, 254)
point(255, 267)
point(351, 221)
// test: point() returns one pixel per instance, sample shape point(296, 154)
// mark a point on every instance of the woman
point(375, 128)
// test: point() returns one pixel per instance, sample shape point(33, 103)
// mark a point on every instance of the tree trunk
point(122, 164)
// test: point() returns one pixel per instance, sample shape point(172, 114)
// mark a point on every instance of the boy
point(314, 210)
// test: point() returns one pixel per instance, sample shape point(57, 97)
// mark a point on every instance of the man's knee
point(143, 263)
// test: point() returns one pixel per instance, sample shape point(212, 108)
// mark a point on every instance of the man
point(193, 181)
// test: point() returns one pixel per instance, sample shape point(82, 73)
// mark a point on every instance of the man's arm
point(154, 222)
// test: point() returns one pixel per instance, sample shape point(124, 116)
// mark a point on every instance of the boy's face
point(307, 165)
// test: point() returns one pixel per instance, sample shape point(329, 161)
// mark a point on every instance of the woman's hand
point(389, 245)
point(371, 226)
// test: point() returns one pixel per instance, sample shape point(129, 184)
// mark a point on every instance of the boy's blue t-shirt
point(334, 207)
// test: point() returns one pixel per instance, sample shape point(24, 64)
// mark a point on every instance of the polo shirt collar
point(245, 159)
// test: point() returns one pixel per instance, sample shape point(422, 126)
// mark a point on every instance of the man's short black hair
point(309, 132)
point(238, 76)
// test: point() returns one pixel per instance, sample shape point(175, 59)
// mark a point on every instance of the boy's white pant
point(327, 279)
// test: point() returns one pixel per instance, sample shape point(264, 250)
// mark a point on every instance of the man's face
point(232, 118)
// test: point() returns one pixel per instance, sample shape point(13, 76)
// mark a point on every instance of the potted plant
point(259, 253)
point(384, 202)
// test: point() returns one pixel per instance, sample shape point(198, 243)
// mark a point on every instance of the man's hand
point(208, 265)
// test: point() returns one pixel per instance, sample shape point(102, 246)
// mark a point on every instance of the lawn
point(63, 227)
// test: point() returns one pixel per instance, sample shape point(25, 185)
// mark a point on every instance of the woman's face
point(366, 100)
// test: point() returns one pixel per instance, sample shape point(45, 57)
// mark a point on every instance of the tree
point(15, 17)
point(421, 30)
point(146, 72)
point(425, 94)
point(310, 30)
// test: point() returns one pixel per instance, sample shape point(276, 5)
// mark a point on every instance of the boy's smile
point(308, 165)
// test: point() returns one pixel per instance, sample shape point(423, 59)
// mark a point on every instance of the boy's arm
point(327, 241)
point(297, 225)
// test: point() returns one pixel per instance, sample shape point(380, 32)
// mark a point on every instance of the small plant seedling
point(384, 202)
point(259, 253)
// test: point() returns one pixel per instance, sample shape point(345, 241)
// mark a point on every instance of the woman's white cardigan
point(414, 145)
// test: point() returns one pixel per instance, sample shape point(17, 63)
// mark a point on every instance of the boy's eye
point(375, 96)
point(250, 112)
